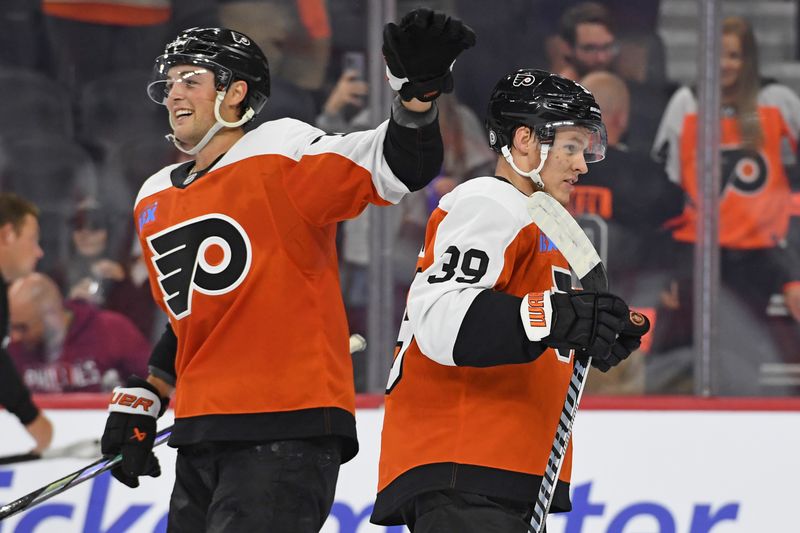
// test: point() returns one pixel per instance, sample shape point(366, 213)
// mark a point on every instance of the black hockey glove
point(634, 328)
point(587, 322)
point(131, 430)
point(421, 50)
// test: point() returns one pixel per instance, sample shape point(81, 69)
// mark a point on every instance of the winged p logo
point(210, 254)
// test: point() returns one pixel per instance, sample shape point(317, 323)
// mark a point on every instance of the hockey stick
point(84, 449)
point(559, 226)
point(357, 343)
point(57, 487)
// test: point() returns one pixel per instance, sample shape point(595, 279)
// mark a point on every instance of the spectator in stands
point(70, 346)
point(640, 55)
point(295, 35)
point(623, 205)
point(347, 98)
point(90, 272)
point(19, 253)
point(95, 273)
point(589, 34)
point(630, 195)
point(759, 129)
point(591, 44)
point(92, 39)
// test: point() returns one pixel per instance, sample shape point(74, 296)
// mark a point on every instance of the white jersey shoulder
point(483, 218)
point(155, 183)
point(287, 137)
point(787, 101)
point(499, 196)
point(295, 139)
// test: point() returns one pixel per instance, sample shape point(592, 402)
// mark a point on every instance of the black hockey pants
point(269, 487)
point(450, 511)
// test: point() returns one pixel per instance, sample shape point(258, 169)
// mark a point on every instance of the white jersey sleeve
point(483, 216)
point(666, 147)
point(788, 103)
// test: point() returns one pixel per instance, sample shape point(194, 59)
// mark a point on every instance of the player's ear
point(524, 140)
point(236, 93)
point(7, 233)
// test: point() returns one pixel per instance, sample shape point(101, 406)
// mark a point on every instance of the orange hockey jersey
point(485, 429)
point(755, 198)
point(243, 261)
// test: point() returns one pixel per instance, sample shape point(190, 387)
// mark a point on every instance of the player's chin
point(563, 193)
point(185, 137)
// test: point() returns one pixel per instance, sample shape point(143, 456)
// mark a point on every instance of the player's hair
point(583, 13)
point(13, 209)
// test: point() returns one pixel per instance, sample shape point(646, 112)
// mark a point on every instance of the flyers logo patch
point(637, 319)
point(210, 254)
point(239, 38)
point(523, 80)
point(743, 170)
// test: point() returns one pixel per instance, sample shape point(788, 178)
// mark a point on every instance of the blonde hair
point(745, 96)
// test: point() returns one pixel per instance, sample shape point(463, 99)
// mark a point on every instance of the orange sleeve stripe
point(314, 15)
point(115, 15)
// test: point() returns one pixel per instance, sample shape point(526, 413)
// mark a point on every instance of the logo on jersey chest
point(210, 254)
point(745, 171)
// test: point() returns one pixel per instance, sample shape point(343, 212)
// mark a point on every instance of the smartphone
point(355, 61)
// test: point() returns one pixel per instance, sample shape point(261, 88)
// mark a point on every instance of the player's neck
point(218, 145)
point(504, 170)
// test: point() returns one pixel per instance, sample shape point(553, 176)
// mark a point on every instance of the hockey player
point(240, 246)
point(485, 351)
point(19, 253)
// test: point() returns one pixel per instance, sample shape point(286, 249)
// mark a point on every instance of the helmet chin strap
point(533, 174)
point(218, 125)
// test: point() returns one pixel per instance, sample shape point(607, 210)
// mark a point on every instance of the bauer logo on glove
point(131, 430)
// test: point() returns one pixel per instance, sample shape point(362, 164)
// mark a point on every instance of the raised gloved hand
point(421, 50)
point(131, 430)
point(590, 323)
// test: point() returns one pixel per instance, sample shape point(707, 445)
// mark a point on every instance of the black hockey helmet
point(230, 55)
point(544, 102)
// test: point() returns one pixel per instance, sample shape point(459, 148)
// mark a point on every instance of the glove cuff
point(137, 397)
point(394, 82)
point(536, 312)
